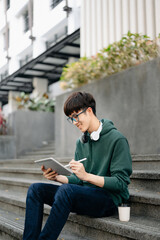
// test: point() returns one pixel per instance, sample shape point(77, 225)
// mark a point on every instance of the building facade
point(28, 29)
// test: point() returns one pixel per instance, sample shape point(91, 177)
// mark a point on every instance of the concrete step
point(17, 163)
point(12, 226)
point(146, 162)
point(144, 203)
point(25, 173)
point(21, 185)
point(146, 156)
point(146, 179)
point(28, 163)
point(94, 228)
point(39, 152)
point(17, 175)
point(35, 157)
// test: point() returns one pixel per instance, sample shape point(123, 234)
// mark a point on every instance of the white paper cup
point(124, 213)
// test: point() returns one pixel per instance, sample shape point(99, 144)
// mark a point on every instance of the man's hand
point(53, 175)
point(78, 169)
point(80, 172)
point(49, 174)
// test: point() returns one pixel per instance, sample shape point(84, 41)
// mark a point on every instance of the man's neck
point(94, 125)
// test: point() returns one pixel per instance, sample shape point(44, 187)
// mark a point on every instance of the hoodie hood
point(107, 126)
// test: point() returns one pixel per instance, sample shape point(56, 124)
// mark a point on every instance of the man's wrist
point(87, 177)
point(61, 179)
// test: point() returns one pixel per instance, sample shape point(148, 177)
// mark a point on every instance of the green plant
point(35, 104)
point(131, 50)
point(3, 124)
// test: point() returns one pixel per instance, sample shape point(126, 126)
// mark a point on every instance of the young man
point(96, 187)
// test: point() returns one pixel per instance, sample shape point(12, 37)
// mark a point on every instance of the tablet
point(54, 165)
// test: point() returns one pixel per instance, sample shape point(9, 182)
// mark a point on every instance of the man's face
point(81, 119)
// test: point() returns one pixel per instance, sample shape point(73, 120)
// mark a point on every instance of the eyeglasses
point(75, 117)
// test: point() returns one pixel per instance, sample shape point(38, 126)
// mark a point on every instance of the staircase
point(17, 175)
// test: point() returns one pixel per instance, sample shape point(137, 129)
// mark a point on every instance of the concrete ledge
point(30, 128)
point(7, 147)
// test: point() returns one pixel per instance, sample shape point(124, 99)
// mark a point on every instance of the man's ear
point(89, 110)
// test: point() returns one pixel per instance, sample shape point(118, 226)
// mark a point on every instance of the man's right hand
point(49, 174)
point(53, 175)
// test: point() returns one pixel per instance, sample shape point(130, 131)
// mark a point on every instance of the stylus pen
point(81, 160)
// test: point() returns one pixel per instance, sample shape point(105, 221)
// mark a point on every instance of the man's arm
point(79, 170)
point(95, 180)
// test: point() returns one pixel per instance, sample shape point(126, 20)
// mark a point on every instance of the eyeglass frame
point(73, 119)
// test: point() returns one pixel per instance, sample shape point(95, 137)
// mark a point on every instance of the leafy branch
point(35, 104)
point(131, 50)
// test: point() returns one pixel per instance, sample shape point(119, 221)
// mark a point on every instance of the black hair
point(77, 101)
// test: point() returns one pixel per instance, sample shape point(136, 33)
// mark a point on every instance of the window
point(6, 39)
point(7, 4)
point(54, 3)
point(26, 59)
point(3, 75)
point(26, 21)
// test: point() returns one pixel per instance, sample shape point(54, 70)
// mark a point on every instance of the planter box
point(31, 128)
point(7, 147)
point(131, 99)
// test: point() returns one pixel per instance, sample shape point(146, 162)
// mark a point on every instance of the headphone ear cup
point(96, 134)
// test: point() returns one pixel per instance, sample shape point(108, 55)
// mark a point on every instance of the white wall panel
point(133, 15)
point(88, 29)
point(105, 35)
point(157, 17)
point(93, 31)
point(125, 16)
point(99, 24)
point(150, 18)
point(118, 19)
point(110, 19)
point(83, 28)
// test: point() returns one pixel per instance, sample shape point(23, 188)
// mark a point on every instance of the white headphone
point(96, 134)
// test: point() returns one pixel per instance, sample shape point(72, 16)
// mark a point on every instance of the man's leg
point(94, 202)
point(80, 199)
point(38, 194)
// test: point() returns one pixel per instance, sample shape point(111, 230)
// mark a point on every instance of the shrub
point(131, 50)
point(35, 104)
point(3, 124)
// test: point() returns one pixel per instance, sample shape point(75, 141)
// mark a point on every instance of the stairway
point(16, 175)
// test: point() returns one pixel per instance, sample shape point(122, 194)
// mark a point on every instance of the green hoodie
point(108, 157)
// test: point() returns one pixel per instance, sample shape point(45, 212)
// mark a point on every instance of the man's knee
point(34, 189)
point(65, 191)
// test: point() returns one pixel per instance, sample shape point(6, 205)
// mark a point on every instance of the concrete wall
point(31, 128)
point(131, 99)
point(7, 147)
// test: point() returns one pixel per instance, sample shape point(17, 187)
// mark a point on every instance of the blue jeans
point(95, 202)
